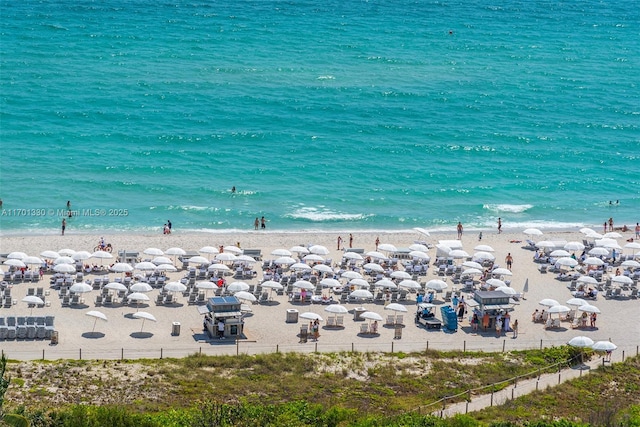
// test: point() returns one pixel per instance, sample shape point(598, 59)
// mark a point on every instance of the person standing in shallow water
point(256, 223)
point(459, 230)
point(263, 223)
point(64, 225)
point(499, 225)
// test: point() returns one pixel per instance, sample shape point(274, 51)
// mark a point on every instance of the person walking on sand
point(509, 260)
point(339, 241)
point(637, 230)
point(377, 242)
point(515, 328)
point(610, 224)
point(459, 230)
point(64, 225)
point(499, 225)
point(350, 240)
point(256, 223)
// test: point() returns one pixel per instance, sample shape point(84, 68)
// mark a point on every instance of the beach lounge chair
point(340, 321)
point(98, 301)
point(364, 328)
point(399, 319)
point(193, 298)
point(49, 328)
point(4, 330)
point(331, 322)
point(304, 333)
point(391, 319)
point(65, 301)
point(31, 327)
point(11, 328)
point(168, 299)
point(21, 328)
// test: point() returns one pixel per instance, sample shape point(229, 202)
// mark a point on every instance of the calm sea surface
point(333, 115)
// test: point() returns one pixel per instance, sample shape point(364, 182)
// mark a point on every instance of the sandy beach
point(266, 329)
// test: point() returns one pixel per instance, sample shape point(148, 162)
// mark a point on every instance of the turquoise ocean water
point(333, 115)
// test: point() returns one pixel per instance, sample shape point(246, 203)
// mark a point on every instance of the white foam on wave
point(507, 208)
point(327, 77)
point(192, 208)
point(324, 215)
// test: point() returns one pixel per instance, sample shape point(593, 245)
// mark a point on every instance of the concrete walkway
point(521, 388)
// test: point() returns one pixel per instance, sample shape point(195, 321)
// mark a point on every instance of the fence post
point(559, 375)
point(537, 383)
point(80, 354)
point(391, 347)
point(540, 344)
point(492, 394)
point(160, 352)
point(237, 347)
point(352, 348)
point(277, 348)
point(42, 353)
point(427, 345)
point(316, 347)
point(122, 354)
point(200, 351)
point(464, 346)
point(504, 342)
point(623, 355)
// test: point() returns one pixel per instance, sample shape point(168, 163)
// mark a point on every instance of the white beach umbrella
point(245, 296)
point(233, 249)
point(558, 309)
point(458, 254)
point(121, 267)
point(574, 246)
point(137, 297)
point(237, 287)
point(532, 232)
point(175, 252)
point(603, 346)
point(587, 230)
point(612, 235)
point(548, 302)
point(394, 306)
point(209, 250)
point(284, 260)
point(624, 280)
point(443, 248)
point(15, 262)
point(206, 286)
point(560, 253)
point(634, 246)
point(361, 283)
point(588, 308)
point(16, 255)
point(376, 255)
point(506, 290)
point(115, 286)
point(145, 266)
point(370, 315)
point(311, 316)
point(144, 316)
point(436, 285)
point(298, 266)
point(246, 259)
point(32, 260)
point(630, 264)
point(313, 258)
point(281, 252)
point(270, 284)
point(330, 283)
point(350, 275)
point(64, 260)
point(567, 261)
point(587, 279)
point(336, 309)
point(423, 256)
point(304, 284)
point(483, 248)
point(153, 252)
point(33, 300)
point(471, 272)
point(64, 268)
point(501, 271)
point(175, 287)
point(225, 256)
point(319, 250)
point(387, 247)
point(166, 267)
point(385, 284)
point(593, 261)
point(418, 247)
point(481, 256)
point(218, 267)
point(299, 250)
point(96, 315)
point(400, 275)
point(361, 293)
point(496, 283)
point(66, 252)
point(580, 341)
point(372, 266)
point(599, 251)
point(200, 260)
point(102, 255)
point(140, 287)
point(352, 256)
point(594, 235)
point(80, 288)
point(472, 264)
point(81, 255)
point(613, 245)
point(322, 268)
point(161, 260)
point(576, 302)
point(422, 231)
point(409, 284)
point(49, 254)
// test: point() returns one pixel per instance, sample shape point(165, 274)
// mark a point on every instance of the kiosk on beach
point(226, 310)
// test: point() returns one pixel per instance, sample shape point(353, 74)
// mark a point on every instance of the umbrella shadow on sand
point(141, 335)
point(93, 335)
